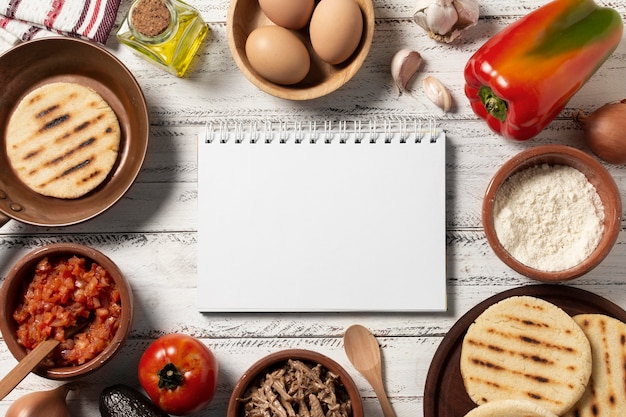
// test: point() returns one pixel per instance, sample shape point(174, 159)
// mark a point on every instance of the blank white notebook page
point(335, 225)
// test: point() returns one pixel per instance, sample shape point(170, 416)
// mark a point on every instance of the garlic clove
point(404, 66)
point(468, 12)
point(437, 93)
point(446, 20)
point(420, 16)
point(440, 18)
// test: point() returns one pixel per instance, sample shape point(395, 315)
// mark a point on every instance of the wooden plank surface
point(151, 232)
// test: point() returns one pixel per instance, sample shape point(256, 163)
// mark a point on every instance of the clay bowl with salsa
point(89, 308)
point(302, 373)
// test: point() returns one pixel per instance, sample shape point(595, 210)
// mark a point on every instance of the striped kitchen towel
point(23, 20)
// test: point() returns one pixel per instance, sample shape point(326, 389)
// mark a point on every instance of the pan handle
point(3, 219)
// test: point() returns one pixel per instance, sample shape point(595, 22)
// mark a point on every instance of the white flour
point(548, 217)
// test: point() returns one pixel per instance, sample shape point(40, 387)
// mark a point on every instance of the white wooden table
point(151, 232)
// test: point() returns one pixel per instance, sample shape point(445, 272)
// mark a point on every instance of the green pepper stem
point(495, 105)
point(170, 377)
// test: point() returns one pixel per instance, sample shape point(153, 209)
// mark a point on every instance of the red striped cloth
point(23, 20)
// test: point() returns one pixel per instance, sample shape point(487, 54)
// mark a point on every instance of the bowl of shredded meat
point(295, 382)
point(74, 294)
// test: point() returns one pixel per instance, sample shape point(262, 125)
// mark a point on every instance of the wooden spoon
point(33, 358)
point(26, 365)
point(364, 354)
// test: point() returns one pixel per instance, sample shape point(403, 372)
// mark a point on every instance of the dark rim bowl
point(259, 368)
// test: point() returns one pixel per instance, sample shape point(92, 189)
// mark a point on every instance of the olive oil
point(176, 41)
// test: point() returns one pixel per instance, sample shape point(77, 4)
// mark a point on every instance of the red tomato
point(179, 373)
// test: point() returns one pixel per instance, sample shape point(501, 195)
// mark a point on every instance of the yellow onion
point(605, 131)
point(42, 403)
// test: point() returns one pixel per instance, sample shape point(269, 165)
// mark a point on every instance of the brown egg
point(335, 29)
point(290, 14)
point(278, 55)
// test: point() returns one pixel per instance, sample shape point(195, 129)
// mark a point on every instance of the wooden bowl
point(14, 286)
point(277, 359)
point(245, 15)
point(596, 174)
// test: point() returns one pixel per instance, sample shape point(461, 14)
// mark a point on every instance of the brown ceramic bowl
point(597, 175)
point(18, 279)
point(245, 15)
point(38, 62)
point(275, 360)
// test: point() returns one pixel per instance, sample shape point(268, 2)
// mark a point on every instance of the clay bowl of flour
point(552, 213)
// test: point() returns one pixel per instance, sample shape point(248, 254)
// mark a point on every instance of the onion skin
point(42, 403)
point(605, 131)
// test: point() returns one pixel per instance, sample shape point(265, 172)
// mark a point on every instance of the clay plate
point(444, 392)
point(34, 63)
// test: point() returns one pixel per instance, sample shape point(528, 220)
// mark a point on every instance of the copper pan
point(34, 63)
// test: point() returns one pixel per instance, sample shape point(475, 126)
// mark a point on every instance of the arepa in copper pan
point(33, 64)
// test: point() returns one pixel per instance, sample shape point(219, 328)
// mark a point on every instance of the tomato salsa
point(63, 294)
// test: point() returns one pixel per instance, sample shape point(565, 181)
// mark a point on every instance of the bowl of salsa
point(74, 294)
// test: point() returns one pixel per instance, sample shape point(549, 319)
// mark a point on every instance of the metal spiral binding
point(386, 130)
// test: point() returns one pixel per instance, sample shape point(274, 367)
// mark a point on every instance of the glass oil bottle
point(165, 32)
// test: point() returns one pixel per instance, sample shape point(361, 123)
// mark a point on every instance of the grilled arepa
point(605, 395)
point(510, 408)
point(62, 140)
point(526, 348)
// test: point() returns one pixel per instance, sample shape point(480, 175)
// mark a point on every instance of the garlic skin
point(437, 93)
point(446, 20)
point(404, 66)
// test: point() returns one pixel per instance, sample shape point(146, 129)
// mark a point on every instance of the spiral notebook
point(321, 216)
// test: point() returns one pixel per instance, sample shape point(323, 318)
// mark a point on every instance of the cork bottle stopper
point(150, 17)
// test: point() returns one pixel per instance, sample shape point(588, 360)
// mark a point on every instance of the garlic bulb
point(437, 93)
point(404, 66)
point(446, 20)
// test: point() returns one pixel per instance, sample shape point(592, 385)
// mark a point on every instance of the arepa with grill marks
point(63, 140)
point(605, 395)
point(529, 349)
point(510, 408)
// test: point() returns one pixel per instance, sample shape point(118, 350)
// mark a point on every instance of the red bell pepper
point(522, 78)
